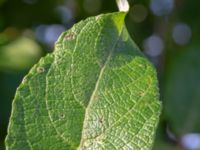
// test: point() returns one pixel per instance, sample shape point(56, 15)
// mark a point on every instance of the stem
point(123, 5)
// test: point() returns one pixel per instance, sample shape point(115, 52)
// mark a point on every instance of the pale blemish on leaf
point(40, 70)
point(69, 36)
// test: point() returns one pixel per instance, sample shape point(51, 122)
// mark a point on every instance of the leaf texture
point(95, 91)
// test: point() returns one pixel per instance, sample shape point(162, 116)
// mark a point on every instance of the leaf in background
point(163, 141)
point(164, 145)
point(96, 91)
point(182, 92)
point(2, 1)
point(19, 55)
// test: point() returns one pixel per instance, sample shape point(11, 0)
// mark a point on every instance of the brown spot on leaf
point(101, 120)
point(62, 115)
point(40, 69)
point(69, 36)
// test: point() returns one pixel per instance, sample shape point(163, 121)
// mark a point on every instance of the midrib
point(97, 85)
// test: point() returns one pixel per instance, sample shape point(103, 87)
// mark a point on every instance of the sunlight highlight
point(123, 5)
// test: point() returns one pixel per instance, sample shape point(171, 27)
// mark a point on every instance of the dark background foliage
point(167, 31)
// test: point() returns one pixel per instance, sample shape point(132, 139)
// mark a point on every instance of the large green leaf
point(96, 91)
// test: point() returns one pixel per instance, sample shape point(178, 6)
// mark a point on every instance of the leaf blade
point(95, 68)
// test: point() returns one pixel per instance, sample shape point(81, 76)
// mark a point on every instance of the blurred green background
point(167, 31)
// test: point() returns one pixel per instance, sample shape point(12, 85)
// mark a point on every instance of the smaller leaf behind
point(182, 91)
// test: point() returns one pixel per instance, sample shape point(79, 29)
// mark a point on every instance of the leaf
point(19, 54)
point(95, 91)
point(164, 145)
point(182, 91)
point(163, 141)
